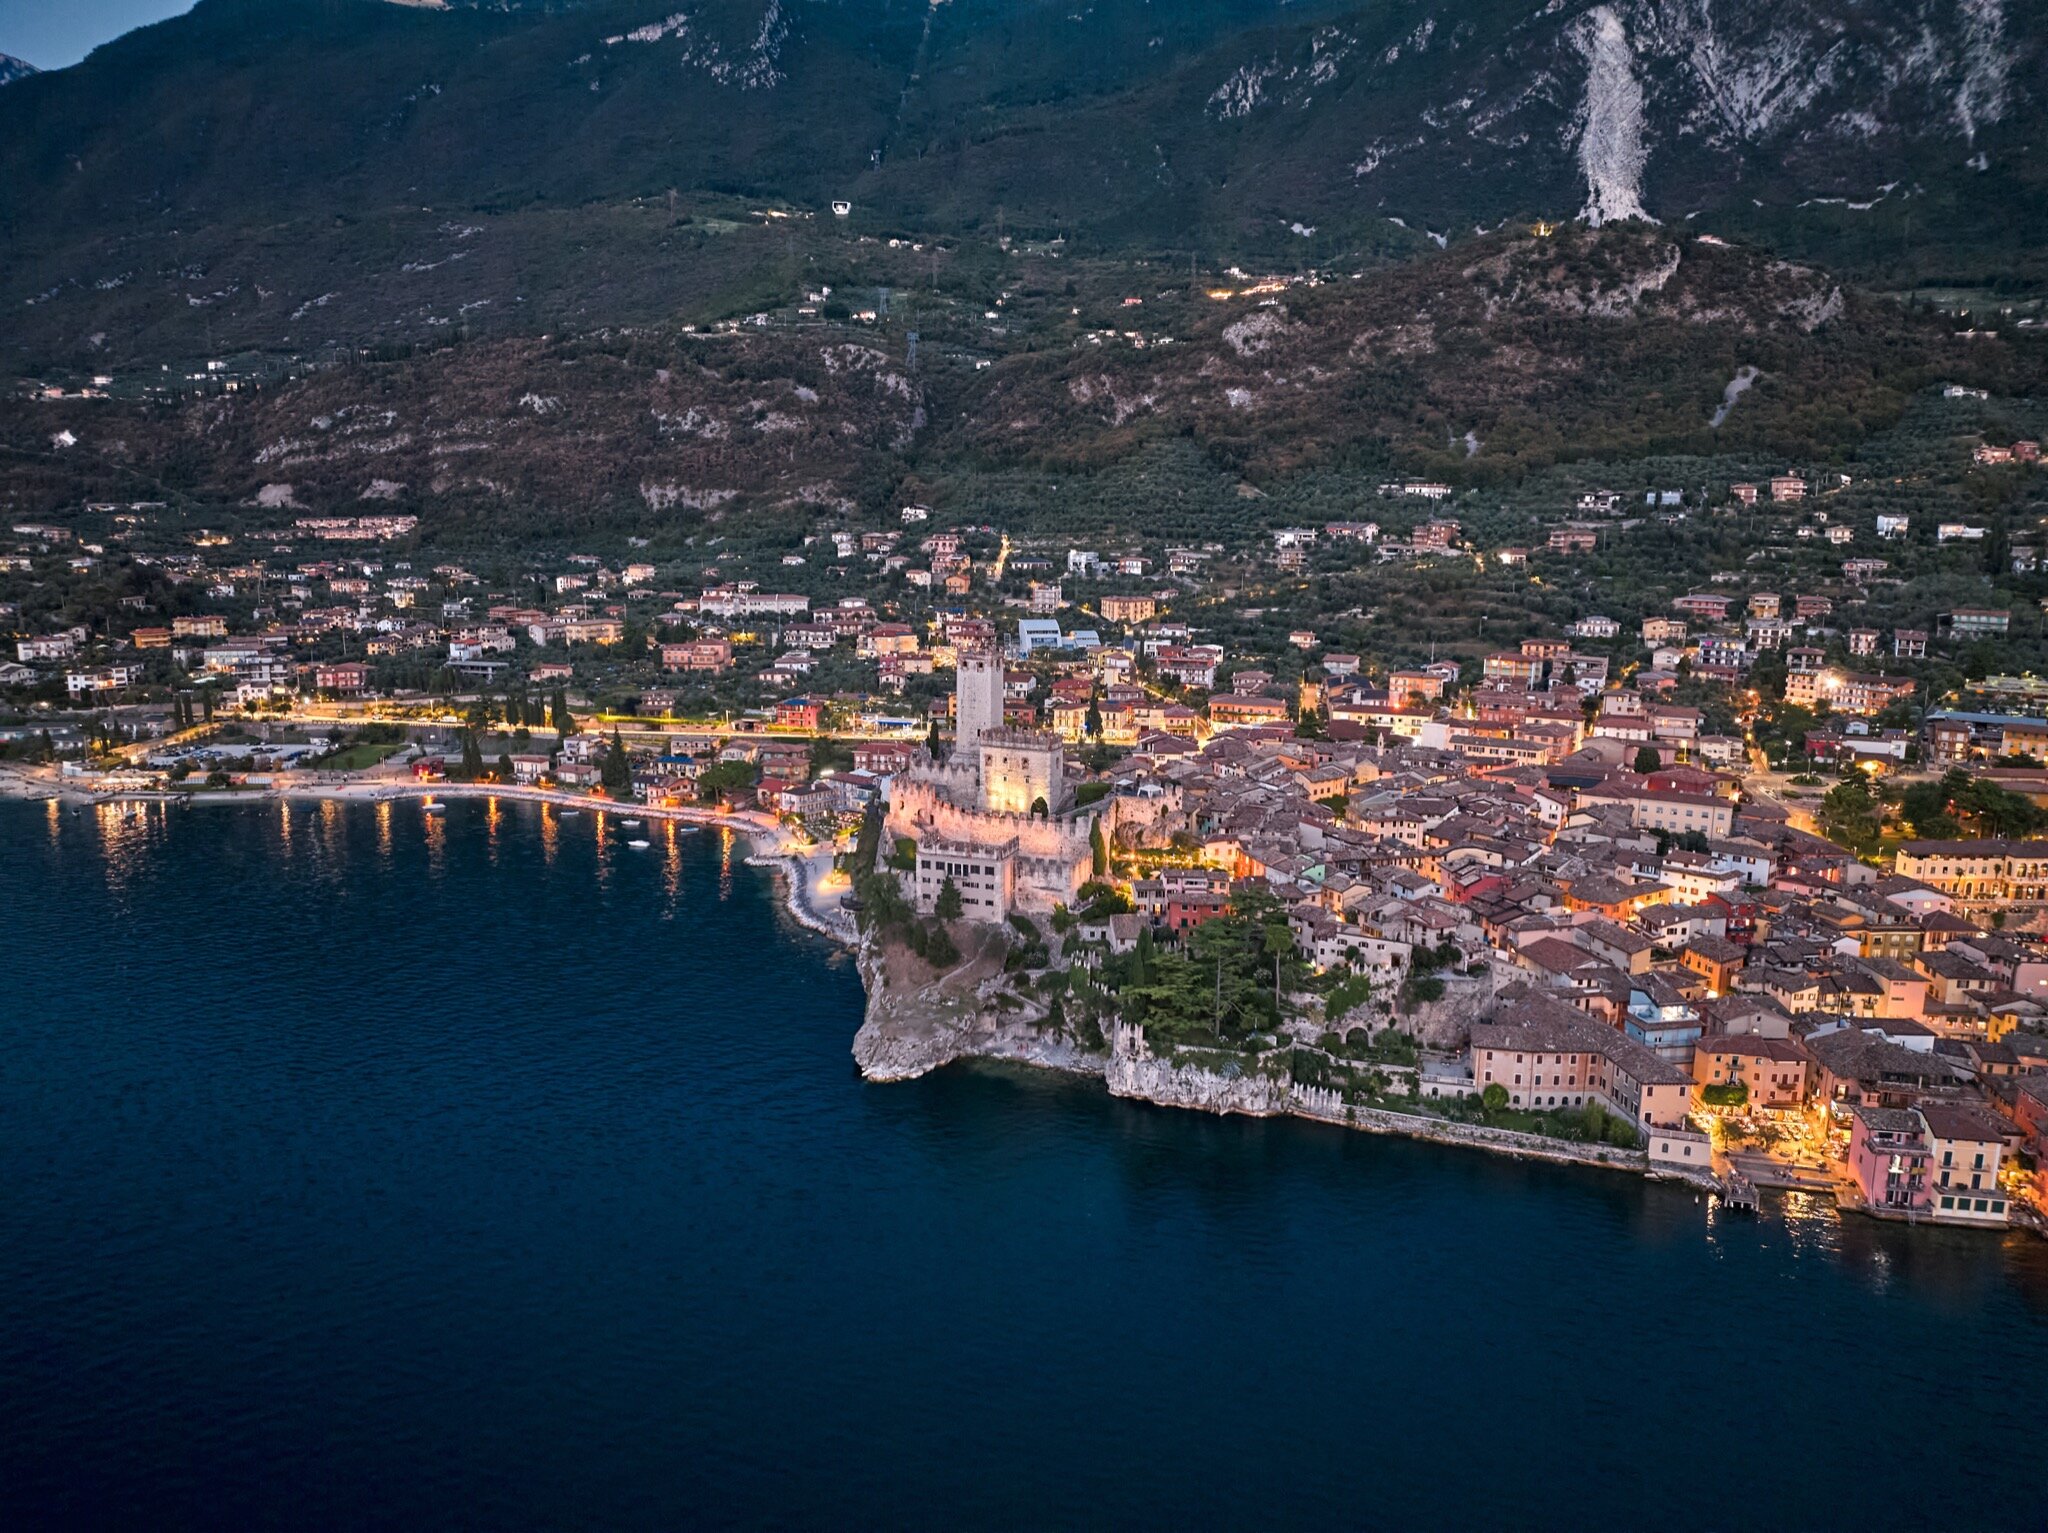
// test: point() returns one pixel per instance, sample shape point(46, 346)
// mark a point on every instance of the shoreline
point(800, 872)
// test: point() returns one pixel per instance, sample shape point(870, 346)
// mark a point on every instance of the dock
point(1738, 1192)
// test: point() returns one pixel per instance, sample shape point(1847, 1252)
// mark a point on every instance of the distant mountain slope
point(1482, 365)
point(12, 69)
point(1897, 138)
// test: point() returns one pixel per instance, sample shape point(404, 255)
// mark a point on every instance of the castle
point(995, 818)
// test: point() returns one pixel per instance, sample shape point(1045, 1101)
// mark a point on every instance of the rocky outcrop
point(915, 1028)
point(1152, 1079)
point(912, 1029)
point(1446, 1023)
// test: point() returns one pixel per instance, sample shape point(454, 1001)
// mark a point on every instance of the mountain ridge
point(1896, 140)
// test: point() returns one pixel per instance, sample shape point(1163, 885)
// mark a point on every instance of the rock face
point(12, 69)
point(1159, 1080)
point(914, 1029)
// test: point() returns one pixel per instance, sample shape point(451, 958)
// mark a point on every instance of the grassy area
point(359, 758)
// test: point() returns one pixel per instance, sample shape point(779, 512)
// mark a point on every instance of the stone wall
point(1053, 858)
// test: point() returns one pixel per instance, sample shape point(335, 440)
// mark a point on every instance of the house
point(885, 758)
point(1749, 1070)
point(1966, 1146)
point(1128, 609)
point(1888, 1158)
point(1788, 487)
point(108, 678)
point(799, 713)
point(1246, 712)
point(1704, 605)
point(1546, 1054)
point(342, 678)
point(54, 646)
point(698, 655)
point(1977, 622)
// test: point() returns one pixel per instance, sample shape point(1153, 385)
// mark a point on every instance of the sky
point(53, 33)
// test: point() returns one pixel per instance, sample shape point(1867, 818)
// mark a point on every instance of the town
point(1721, 889)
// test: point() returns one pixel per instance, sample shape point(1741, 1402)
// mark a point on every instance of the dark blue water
point(362, 1170)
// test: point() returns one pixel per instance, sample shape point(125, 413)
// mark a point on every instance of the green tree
point(948, 906)
point(1851, 816)
point(1494, 1098)
point(1647, 759)
point(1099, 853)
point(472, 756)
point(616, 773)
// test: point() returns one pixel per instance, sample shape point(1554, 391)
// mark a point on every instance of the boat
point(437, 809)
point(637, 845)
point(629, 824)
point(570, 814)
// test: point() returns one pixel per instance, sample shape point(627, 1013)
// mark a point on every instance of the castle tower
point(978, 699)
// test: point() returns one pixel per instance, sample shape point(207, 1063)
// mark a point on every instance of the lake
point(371, 1168)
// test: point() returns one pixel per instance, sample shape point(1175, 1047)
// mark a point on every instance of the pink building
point(1888, 1156)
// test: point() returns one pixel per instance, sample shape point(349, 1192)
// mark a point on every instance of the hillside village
point(1728, 889)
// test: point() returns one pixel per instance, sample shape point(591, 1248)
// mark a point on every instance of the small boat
point(629, 824)
point(570, 814)
point(437, 809)
point(637, 845)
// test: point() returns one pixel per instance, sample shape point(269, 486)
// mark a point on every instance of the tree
point(1494, 1097)
point(1648, 759)
point(1099, 853)
point(948, 906)
point(504, 768)
point(1850, 816)
point(931, 742)
point(472, 756)
point(1040, 809)
point(721, 778)
point(617, 771)
point(559, 715)
point(1092, 724)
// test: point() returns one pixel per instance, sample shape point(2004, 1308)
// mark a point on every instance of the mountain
point(1508, 358)
point(12, 69)
point(1897, 140)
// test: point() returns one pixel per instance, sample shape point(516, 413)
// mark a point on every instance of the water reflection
point(671, 870)
point(436, 837)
